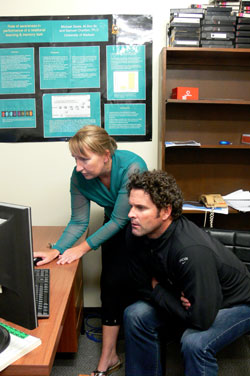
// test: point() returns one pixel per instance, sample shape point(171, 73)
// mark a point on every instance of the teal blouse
point(113, 200)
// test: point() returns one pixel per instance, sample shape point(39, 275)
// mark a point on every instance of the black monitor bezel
point(17, 300)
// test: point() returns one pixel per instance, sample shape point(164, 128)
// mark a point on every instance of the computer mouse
point(4, 338)
point(36, 260)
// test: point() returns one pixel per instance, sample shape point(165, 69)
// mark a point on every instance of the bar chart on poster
point(58, 74)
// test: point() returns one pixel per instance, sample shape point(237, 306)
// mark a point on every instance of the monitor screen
point(17, 291)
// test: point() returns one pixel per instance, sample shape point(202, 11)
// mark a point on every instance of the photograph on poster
point(17, 113)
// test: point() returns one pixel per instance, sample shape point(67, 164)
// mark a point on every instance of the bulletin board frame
point(59, 73)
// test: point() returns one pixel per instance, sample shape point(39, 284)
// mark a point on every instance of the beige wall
point(37, 174)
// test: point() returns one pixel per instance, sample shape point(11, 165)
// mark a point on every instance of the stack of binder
point(184, 29)
point(245, 8)
point(234, 5)
point(204, 5)
point(218, 28)
point(242, 38)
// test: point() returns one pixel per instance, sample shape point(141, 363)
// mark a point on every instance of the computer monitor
point(17, 291)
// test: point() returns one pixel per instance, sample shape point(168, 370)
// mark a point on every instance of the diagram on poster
point(65, 114)
point(67, 106)
point(126, 82)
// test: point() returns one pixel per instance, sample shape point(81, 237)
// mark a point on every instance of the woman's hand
point(47, 256)
point(74, 253)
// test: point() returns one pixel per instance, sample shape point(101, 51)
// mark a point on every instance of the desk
point(61, 331)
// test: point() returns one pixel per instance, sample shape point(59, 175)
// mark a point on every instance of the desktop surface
point(60, 331)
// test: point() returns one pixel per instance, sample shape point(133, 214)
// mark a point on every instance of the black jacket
point(187, 259)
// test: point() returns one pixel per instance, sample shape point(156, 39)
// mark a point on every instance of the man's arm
point(184, 301)
point(197, 279)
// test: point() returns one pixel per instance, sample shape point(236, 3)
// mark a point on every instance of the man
point(188, 283)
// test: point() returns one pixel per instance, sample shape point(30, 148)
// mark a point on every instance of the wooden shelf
point(196, 55)
point(236, 146)
point(209, 101)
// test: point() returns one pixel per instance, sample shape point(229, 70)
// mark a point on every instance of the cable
point(211, 218)
point(93, 332)
point(205, 219)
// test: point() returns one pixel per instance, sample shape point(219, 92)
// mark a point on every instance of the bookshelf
point(221, 113)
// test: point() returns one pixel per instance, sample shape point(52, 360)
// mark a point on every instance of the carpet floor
point(233, 360)
point(85, 361)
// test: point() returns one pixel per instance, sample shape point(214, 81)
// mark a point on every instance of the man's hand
point(154, 282)
point(185, 302)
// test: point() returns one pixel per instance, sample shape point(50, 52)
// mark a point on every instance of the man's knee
point(192, 344)
point(135, 312)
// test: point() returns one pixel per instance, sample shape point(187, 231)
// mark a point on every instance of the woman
point(101, 175)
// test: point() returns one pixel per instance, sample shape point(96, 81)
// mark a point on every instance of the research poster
point(58, 74)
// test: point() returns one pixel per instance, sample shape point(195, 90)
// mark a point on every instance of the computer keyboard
point(42, 283)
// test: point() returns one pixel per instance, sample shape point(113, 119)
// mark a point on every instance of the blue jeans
point(143, 325)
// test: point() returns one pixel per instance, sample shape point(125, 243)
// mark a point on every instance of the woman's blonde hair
point(94, 138)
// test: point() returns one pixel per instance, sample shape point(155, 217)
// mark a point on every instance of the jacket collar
point(156, 244)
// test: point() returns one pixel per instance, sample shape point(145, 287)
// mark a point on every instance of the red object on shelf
point(245, 138)
point(185, 93)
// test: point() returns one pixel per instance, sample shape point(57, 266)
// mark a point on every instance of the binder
point(242, 40)
point(218, 28)
point(185, 43)
point(219, 43)
point(219, 20)
point(243, 27)
point(218, 36)
point(218, 10)
point(242, 33)
point(187, 10)
point(242, 45)
point(20, 344)
point(179, 35)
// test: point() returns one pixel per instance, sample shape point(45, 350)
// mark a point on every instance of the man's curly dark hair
point(161, 187)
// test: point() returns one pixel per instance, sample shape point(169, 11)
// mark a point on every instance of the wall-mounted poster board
point(58, 74)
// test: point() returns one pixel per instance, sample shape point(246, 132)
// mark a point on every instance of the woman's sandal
point(110, 370)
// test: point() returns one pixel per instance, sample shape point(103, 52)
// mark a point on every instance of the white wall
point(37, 174)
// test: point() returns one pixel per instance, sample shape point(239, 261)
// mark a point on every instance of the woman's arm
point(118, 220)
point(80, 219)
point(78, 224)
point(74, 253)
point(70, 255)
